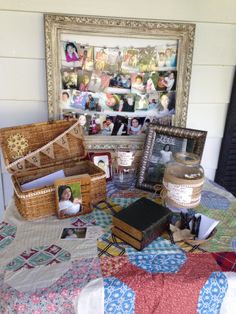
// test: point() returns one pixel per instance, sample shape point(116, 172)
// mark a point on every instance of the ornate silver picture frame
point(118, 34)
point(160, 145)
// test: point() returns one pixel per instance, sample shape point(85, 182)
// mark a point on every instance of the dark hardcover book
point(143, 220)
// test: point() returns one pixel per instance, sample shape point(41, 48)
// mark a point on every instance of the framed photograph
point(103, 161)
point(73, 196)
point(161, 144)
point(108, 67)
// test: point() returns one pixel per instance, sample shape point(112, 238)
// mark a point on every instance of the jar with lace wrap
point(183, 181)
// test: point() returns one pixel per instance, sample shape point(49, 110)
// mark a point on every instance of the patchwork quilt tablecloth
point(42, 273)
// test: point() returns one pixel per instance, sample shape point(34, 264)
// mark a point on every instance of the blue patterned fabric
point(118, 297)
point(124, 202)
point(213, 200)
point(159, 245)
point(212, 294)
point(102, 219)
point(7, 234)
point(159, 263)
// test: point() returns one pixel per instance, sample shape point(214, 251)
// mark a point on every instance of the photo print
point(120, 126)
point(167, 104)
point(147, 59)
point(84, 121)
point(167, 54)
point(107, 125)
point(69, 199)
point(135, 125)
point(99, 81)
point(93, 102)
point(162, 153)
point(114, 60)
point(166, 81)
point(71, 51)
point(103, 161)
point(126, 103)
point(86, 61)
point(78, 100)
point(101, 58)
point(154, 103)
point(65, 99)
point(84, 80)
point(130, 60)
point(73, 233)
point(119, 83)
point(137, 83)
point(95, 127)
point(141, 102)
point(69, 78)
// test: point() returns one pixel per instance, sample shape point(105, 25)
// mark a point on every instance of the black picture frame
point(157, 138)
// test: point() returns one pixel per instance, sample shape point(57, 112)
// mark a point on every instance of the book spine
point(137, 234)
point(127, 238)
point(156, 229)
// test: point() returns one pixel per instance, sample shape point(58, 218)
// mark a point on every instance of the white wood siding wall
point(23, 96)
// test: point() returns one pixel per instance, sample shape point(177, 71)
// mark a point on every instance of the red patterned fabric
point(163, 293)
point(226, 260)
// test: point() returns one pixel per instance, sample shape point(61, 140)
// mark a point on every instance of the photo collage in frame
point(118, 91)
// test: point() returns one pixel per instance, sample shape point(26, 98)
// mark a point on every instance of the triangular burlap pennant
point(76, 131)
point(35, 160)
point(63, 141)
point(19, 166)
point(49, 151)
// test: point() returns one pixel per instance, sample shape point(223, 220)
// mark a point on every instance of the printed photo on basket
point(103, 161)
point(73, 233)
point(69, 199)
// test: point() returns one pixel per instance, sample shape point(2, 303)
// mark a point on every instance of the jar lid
point(187, 158)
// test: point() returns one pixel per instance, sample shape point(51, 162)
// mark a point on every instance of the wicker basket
point(40, 202)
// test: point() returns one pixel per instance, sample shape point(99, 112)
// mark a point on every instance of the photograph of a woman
point(69, 200)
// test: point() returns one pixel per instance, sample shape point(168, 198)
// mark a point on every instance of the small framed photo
point(73, 196)
point(103, 161)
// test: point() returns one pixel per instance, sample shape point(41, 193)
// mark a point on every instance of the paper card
point(43, 181)
point(207, 225)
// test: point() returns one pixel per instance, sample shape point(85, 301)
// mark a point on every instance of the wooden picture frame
point(159, 138)
point(103, 160)
point(117, 32)
point(73, 196)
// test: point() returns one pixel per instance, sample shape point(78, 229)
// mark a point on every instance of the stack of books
point(141, 222)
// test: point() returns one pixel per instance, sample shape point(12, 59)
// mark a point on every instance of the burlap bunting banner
point(35, 160)
point(76, 131)
point(49, 151)
point(63, 141)
point(34, 157)
point(19, 166)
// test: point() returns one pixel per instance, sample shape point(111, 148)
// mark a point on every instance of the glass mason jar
point(183, 181)
point(124, 172)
